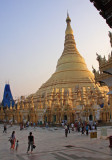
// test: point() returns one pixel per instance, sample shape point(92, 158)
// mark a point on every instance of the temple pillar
point(108, 117)
point(18, 118)
point(33, 118)
point(110, 98)
point(22, 105)
point(2, 115)
point(36, 118)
point(52, 118)
point(104, 116)
point(21, 118)
point(93, 115)
point(68, 117)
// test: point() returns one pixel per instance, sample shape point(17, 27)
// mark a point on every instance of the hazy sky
point(32, 34)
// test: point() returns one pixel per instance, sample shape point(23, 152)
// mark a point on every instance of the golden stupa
point(70, 88)
point(71, 70)
point(69, 94)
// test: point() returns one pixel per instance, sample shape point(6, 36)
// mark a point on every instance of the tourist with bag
point(30, 142)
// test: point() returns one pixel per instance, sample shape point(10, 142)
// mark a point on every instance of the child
point(17, 144)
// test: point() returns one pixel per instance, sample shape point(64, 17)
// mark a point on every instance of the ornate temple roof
point(71, 70)
point(105, 9)
point(7, 97)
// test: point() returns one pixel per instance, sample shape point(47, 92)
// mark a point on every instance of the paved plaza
point(51, 144)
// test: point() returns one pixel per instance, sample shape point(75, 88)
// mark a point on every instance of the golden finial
point(67, 14)
point(68, 29)
point(68, 20)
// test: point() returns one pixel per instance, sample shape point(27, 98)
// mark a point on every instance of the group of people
point(27, 124)
point(77, 126)
point(82, 127)
point(15, 143)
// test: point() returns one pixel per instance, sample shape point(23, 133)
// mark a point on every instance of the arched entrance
point(65, 117)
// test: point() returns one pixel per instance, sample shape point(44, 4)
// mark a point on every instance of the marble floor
point(51, 144)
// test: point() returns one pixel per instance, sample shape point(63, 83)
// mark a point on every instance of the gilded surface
point(69, 94)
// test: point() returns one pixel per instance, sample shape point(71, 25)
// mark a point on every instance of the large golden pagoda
point(69, 94)
point(70, 87)
point(71, 69)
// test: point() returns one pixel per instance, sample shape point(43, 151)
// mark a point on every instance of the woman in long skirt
point(13, 140)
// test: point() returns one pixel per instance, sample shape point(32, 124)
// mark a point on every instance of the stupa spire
point(68, 29)
point(68, 20)
point(71, 70)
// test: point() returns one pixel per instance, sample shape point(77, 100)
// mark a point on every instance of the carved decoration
point(110, 36)
point(94, 70)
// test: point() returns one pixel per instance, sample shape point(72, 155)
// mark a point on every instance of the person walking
point(82, 128)
point(72, 125)
point(34, 125)
point(78, 126)
point(11, 123)
point(13, 139)
point(95, 125)
point(5, 129)
point(30, 142)
point(87, 128)
point(66, 130)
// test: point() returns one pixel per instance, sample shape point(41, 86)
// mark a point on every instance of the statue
point(96, 73)
point(32, 104)
point(110, 36)
point(94, 70)
point(104, 59)
point(99, 58)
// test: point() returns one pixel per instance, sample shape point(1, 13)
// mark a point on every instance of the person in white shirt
point(66, 130)
point(72, 125)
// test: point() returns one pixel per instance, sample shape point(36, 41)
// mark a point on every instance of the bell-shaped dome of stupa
point(71, 69)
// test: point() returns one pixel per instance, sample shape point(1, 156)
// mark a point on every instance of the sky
point(32, 34)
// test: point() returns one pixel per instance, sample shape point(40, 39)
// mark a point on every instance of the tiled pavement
point(51, 144)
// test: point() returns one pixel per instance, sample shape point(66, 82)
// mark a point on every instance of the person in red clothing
point(30, 142)
point(13, 139)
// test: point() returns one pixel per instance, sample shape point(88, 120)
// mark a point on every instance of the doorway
point(90, 117)
point(65, 117)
